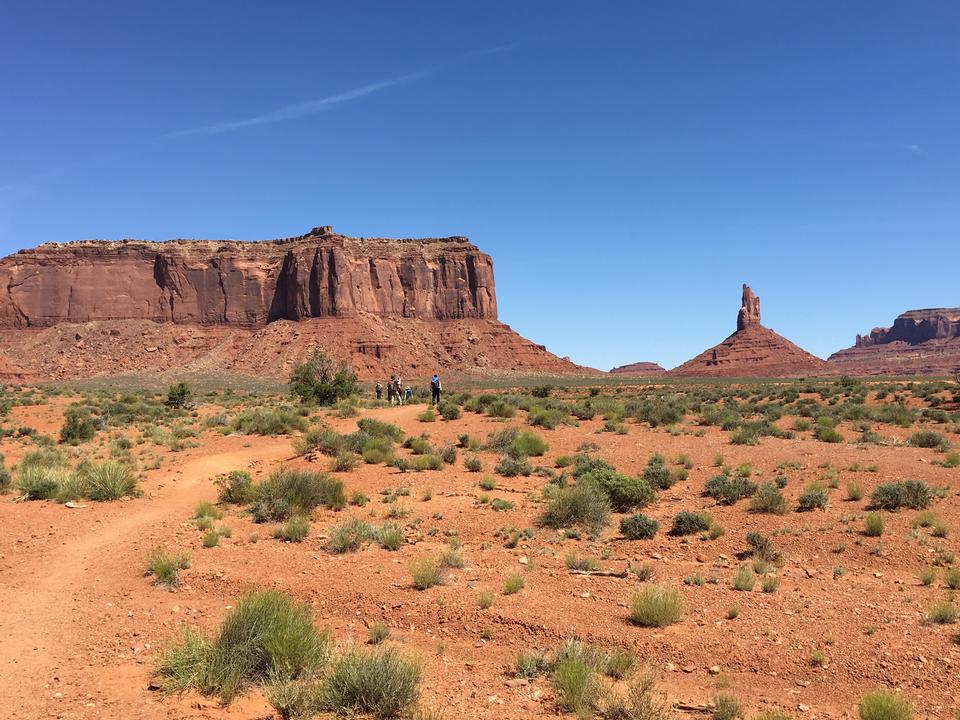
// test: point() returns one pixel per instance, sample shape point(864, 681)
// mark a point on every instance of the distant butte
point(752, 351)
point(920, 342)
point(639, 369)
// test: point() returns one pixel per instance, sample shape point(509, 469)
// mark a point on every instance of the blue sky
point(627, 165)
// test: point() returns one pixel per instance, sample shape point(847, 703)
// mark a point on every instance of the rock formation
point(88, 307)
point(752, 351)
point(640, 369)
point(920, 342)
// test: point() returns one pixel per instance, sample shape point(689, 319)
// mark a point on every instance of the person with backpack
point(379, 390)
point(435, 389)
point(408, 394)
point(390, 387)
point(398, 390)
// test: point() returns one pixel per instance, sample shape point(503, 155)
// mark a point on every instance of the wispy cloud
point(311, 107)
point(914, 148)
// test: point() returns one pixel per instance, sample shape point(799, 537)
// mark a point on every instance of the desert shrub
point(744, 436)
point(873, 524)
point(744, 579)
point(488, 482)
point(236, 488)
point(4, 476)
point(418, 445)
point(425, 573)
point(348, 536)
point(655, 606)
point(527, 444)
point(854, 491)
point(165, 567)
point(473, 464)
point(287, 491)
point(584, 463)
point(108, 480)
point(179, 396)
point(928, 439)
point(510, 466)
point(427, 416)
point(584, 504)
point(211, 539)
point(450, 411)
point(345, 462)
point(827, 434)
point(265, 636)
point(318, 380)
point(323, 440)
point(379, 683)
point(390, 537)
point(264, 421)
point(78, 426)
point(951, 578)
point(688, 523)
point(943, 613)
point(513, 584)
point(768, 499)
point(572, 561)
point(812, 497)
point(421, 463)
point(727, 490)
point(39, 482)
point(726, 707)
point(379, 428)
point(638, 527)
point(547, 418)
point(906, 493)
point(448, 453)
point(576, 685)
point(625, 492)
point(884, 705)
point(295, 529)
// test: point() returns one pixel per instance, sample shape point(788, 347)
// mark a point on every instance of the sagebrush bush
point(638, 527)
point(236, 488)
point(513, 583)
point(265, 421)
point(380, 682)
point(584, 504)
point(425, 573)
point(687, 523)
point(906, 493)
point(625, 492)
point(744, 579)
point(287, 492)
point(295, 529)
point(943, 613)
point(473, 464)
point(348, 536)
point(264, 637)
point(655, 606)
point(527, 444)
point(728, 490)
point(576, 685)
point(928, 439)
point(345, 462)
point(813, 497)
point(873, 524)
point(768, 499)
point(165, 566)
point(380, 429)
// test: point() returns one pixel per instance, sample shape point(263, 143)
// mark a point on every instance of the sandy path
point(44, 605)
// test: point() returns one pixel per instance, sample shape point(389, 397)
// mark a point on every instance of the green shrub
point(425, 573)
point(390, 537)
point(873, 524)
point(345, 462)
point(381, 683)
point(206, 509)
point(179, 396)
point(655, 606)
point(513, 584)
point(625, 492)
point(78, 426)
point(295, 529)
point(828, 434)
point(527, 444)
point(928, 439)
point(165, 567)
point(546, 417)
point(884, 705)
point(510, 466)
point(576, 685)
point(572, 561)
point(109, 480)
point(726, 707)
point(906, 493)
point(265, 636)
point(450, 411)
point(744, 436)
point(211, 539)
point(263, 421)
point(854, 491)
point(813, 496)
point(484, 599)
point(420, 463)
point(287, 491)
point(427, 416)
point(348, 536)
point(319, 380)
point(380, 429)
point(236, 488)
point(768, 499)
point(581, 505)
point(39, 482)
point(943, 613)
point(323, 440)
point(473, 464)
point(638, 527)
point(448, 453)
point(688, 523)
point(657, 475)
point(744, 579)
point(727, 490)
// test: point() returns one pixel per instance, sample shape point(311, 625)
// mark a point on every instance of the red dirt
point(80, 625)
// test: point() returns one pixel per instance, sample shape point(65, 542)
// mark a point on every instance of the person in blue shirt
point(435, 389)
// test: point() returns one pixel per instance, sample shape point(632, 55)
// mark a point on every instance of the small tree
point(318, 380)
point(179, 395)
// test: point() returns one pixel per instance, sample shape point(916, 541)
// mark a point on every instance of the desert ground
point(840, 601)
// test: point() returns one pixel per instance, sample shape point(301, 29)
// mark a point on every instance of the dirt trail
point(42, 610)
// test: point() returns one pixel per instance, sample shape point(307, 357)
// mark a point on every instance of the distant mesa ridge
point(752, 351)
point(640, 369)
point(90, 307)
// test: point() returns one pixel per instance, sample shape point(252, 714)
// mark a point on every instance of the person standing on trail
point(398, 390)
point(435, 389)
point(390, 389)
point(408, 394)
point(379, 390)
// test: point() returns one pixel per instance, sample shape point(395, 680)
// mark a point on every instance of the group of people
point(397, 394)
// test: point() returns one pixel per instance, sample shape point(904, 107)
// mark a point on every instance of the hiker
point(435, 389)
point(398, 390)
point(379, 390)
point(390, 389)
point(408, 394)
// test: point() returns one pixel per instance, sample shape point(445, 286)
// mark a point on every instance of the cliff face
point(321, 274)
point(920, 342)
point(752, 351)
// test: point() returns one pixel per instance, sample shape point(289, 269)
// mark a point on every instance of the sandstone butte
point(752, 351)
point(921, 342)
point(639, 369)
point(87, 308)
